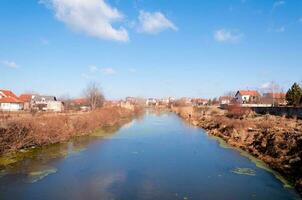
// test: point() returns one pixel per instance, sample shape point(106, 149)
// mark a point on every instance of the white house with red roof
point(247, 96)
point(9, 101)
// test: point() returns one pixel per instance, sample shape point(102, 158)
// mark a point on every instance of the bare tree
point(94, 95)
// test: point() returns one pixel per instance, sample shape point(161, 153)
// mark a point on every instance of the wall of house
point(55, 106)
point(240, 98)
point(10, 106)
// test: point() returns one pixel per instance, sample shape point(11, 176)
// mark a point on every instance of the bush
point(237, 112)
point(47, 129)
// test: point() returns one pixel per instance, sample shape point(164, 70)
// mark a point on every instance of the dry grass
point(22, 132)
point(237, 112)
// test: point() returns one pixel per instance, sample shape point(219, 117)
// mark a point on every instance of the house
point(27, 101)
point(151, 102)
point(9, 101)
point(131, 100)
point(247, 96)
point(80, 101)
point(199, 102)
point(225, 100)
point(47, 103)
point(274, 98)
point(184, 101)
point(127, 105)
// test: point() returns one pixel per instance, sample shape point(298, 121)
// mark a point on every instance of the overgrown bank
point(28, 131)
point(275, 140)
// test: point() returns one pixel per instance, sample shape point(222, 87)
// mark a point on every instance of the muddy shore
point(275, 140)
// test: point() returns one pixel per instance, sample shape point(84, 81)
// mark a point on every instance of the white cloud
point(278, 3)
point(266, 85)
point(230, 36)
point(270, 86)
point(108, 71)
point(10, 64)
point(93, 17)
point(153, 23)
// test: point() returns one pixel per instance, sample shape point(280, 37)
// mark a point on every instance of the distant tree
point(94, 95)
point(294, 95)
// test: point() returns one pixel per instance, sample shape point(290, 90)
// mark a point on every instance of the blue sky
point(149, 48)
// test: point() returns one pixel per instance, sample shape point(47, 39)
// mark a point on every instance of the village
point(11, 102)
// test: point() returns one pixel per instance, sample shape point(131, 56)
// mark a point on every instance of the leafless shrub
point(94, 95)
point(46, 129)
point(237, 112)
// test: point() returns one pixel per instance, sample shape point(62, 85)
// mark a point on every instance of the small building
point(127, 105)
point(47, 103)
point(225, 100)
point(131, 100)
point(247, 96)
point(9, 101)
point(199, 102)
point(27, 101)
point(151, 102)
point(274, 98)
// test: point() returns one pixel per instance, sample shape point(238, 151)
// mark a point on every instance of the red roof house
point(25, 97)
point(247, 96)
point(9, 101)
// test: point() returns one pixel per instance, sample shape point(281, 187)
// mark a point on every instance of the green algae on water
point(259, 163)
point(35, 176)
point(7, 160)
point(244, 171)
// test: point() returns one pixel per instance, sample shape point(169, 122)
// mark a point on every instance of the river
point(156, 157)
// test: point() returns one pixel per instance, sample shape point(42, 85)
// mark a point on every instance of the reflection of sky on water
point(157, 157)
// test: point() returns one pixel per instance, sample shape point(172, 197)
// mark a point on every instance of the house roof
point(249, 92)
point(8, 96)
point(276, 95)
point(225, 98)
point(80, 101)
point(44, 98)
point(25, 97)
point(8, 93)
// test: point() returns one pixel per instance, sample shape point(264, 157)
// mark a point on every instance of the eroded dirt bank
point(25, 131)
point(275, 140)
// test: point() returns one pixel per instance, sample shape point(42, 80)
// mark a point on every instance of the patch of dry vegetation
point(27, 131)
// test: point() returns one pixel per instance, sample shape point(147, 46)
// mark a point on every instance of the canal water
point(156, 157)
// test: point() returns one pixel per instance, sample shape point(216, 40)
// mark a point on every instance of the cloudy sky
point(149, 48)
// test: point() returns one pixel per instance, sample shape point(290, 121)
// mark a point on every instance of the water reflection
point(157, 157)
point(35, 163)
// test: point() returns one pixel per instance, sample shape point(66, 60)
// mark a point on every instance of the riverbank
point(27, 131)
point(275, 140)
